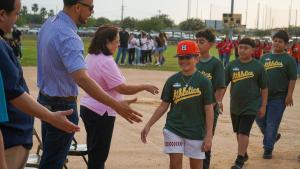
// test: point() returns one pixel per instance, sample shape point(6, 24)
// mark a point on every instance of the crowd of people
point(192, 97)
point(142, 49)
point(226, 46)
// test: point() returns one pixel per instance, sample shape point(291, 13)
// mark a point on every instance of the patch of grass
point(30, 55)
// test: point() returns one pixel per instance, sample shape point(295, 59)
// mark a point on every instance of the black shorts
point(242, 124)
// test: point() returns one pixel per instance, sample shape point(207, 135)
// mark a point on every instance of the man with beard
point(61, 68)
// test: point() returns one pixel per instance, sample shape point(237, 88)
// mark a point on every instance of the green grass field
point(30, 52)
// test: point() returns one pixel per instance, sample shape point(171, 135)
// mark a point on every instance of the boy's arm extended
point(207, 142)
point(289, 97)
point(163, 107)
point(264, 100)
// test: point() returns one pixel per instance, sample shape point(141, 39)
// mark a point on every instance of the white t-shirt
point(144, 43)
point(131, 43)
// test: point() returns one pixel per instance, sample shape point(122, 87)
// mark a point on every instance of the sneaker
point(278, 137)
point(236, 167)
point(267, 154)
point(122, 64)
point(239, 162)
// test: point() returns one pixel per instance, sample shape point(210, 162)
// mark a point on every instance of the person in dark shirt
point(124, 38)
point(16, 42)
point(17, 132)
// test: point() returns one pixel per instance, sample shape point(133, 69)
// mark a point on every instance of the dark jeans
point(131, 55)
point(226, 58)
point(123, 51)
point(56, 143)
point(269, 125)
point(99, 131)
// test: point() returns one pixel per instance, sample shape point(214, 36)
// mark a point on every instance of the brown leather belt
point(56, 98)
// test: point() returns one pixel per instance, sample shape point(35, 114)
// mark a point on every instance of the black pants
point(99, 131)
point(131, 55)
point(149, 56)
point(144, 56)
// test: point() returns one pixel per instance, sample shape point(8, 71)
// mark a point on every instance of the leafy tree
point(43, 12)
point(152, 24)
point(129, 22)
point(51, 13)
point(24, 10)
point(35, 8)
point(192, 24)
point(102, 21)
point(166, 20)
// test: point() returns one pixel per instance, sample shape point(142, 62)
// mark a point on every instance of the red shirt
point(258, 52)
point(220, 46)
point(295, 51)
point(267, 48)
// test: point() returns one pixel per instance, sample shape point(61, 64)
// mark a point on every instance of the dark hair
point(104, 34)
point(7, 5)
point(247, 41)
point(208, 34)
point(282, 34)
point(70, 2)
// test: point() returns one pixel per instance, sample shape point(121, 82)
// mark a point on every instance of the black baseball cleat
point(267, 154)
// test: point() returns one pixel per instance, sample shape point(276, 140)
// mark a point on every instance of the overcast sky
point(177, 9)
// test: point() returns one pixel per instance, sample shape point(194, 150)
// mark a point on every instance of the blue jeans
point(226, 58)
point(221, 57)
point(56, 143)
point(298, 68)
point(122, 51)
point(137, 56)
point(269, 124)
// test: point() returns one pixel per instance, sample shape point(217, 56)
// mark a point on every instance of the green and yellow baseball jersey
point(281, 68)
point(247, 80)
point(188, 96)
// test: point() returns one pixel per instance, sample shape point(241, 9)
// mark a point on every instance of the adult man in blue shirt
point(17, 132)
point(61, 68)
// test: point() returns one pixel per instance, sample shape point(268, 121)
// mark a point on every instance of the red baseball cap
point(187, 47)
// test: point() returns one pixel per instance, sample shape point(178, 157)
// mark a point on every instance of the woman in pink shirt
point(98, 118)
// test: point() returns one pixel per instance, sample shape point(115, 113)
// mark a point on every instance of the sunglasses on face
point(185, 57)
point(91, 7)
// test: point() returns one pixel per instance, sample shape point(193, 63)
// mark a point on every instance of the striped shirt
point(60, 53)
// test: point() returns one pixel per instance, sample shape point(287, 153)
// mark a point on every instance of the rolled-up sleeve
point(71, 53)
point(10, 74)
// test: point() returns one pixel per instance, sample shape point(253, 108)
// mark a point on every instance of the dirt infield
point(128, 152)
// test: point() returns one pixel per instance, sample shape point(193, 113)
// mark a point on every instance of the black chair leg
point(85, 160)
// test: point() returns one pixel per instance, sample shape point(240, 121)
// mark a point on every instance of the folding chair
point(78, 150)
point(34, 160)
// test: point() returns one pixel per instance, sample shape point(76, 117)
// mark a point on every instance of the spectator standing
point(124, 37)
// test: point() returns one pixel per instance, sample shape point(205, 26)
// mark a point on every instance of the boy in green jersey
point(213, 69)
point(248, 95)
point(282, 74)
point(189, 124)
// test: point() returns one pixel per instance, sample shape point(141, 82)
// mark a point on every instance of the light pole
point(231, 26)
point(290, 13)
point(122, 11)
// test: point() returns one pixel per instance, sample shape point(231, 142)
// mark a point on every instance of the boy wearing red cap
point(189, 124)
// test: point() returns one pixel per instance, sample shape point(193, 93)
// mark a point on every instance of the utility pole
point(246, 13)
point(296, 18)
point(122, 11)
point(266, 14)
point(290, 13)
point(159, 13)
point(197, 8)
point(210, 12)
point(258, 11)
point(232, 26)
point(189, 9)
